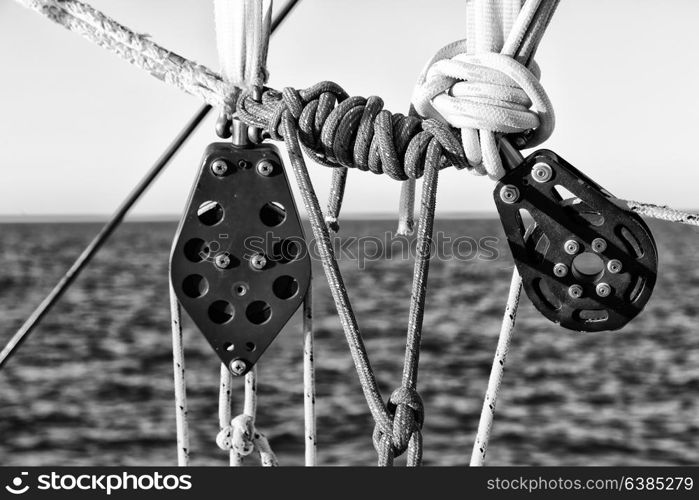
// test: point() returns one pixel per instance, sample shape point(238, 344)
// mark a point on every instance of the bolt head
point(509, 194)
point(603, 289)
point(614, 266)
point(575, 291)
point(560, 270)
point(222, 261)
point(571, 247)
point(219, 168)
point(258, 261)
point(541, 172)
point(599, 245)
point(265, 168)
point(238, 367)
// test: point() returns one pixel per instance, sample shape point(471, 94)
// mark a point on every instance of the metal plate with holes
point(239, 263)
point(586, 262)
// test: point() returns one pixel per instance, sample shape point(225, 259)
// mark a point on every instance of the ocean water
point(93, 385)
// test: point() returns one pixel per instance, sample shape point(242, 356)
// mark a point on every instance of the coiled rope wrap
point(356, 132)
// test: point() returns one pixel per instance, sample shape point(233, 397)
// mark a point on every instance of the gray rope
point(337, 193)
point(357, 133)
point(332, 273)
point(398, 424)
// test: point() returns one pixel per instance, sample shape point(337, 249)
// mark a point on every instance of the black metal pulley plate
point(586, 262)
point(239, 264)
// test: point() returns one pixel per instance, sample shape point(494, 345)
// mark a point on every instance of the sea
point(93, 384)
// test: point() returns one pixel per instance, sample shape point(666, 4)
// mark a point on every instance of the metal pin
point(219, 168)
point(222, 261)
point(614, 266)
point(509, 194)
point(560, 270)
point(238, 367)
point(258, 261)
point(575, 291)
point(541, 172)
point(571, 247)
point(599, 245)
point(265, 168)
point(603, 289)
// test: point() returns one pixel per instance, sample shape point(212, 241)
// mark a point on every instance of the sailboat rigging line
point(182, 429)
point(485, 424)
point(89, 252)
point(309, 381)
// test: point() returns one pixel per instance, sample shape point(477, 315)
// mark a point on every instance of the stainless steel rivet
point(571, 247)
point(541, 172)
point(599, 245)
point(614, 266)
point(560, 270)
point(219, 168)
point(603, 289)
point(238, 367)
point(575, 291)
point(265, 168)
point(222, 261)
point(509, 193)
point(258, 261)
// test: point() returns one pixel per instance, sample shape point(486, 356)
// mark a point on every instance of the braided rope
point(663, 212)
point(134, 48)
point(240, 436)
point(368, 142)
point(485, 424)
point(179, 381)
point(309, 380)
point(340, 131)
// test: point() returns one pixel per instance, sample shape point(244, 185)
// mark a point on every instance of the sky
point(79, 127)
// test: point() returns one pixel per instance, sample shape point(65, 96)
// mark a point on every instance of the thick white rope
point(483, 86)
point(663, 212)
point(225, 412)
point(480, 446)
point(242, 36)
point(134, 48)
point(487, 84)
point(178, 371)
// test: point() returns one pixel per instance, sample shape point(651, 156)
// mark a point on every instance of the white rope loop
point(482, 85)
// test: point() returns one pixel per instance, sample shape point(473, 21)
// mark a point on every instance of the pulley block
point(586, 261)
point(239, 264)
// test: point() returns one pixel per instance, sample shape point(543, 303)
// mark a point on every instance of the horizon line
point(95, 218)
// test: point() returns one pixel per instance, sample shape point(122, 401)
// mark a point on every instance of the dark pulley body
point(239, 263)
point(586, 262)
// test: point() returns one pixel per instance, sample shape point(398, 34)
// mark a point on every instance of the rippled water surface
point(93, 385)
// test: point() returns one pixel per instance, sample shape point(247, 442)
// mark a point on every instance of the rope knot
point(483, 94)
point(223, 438)
point(406, 408)
point(243, 434)
point(406, 397)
